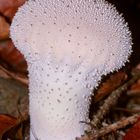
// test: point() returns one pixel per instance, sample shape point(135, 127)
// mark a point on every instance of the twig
point(111, 101)
point(85, 138)
point(15, 76)
point(111, 128)
point(115, 126)
point(132, 111)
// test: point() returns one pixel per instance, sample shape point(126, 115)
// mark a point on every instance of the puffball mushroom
point(68, 45)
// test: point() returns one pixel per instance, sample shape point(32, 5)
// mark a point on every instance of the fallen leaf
point(10, 55)
point(134, 132)
point(135, 88)
point(6, 123)
point(138, 66)
point(4, 74)
point(9, 7)
point(19, 77)
point(15, 133)
point(108, 86)
point(4, 28)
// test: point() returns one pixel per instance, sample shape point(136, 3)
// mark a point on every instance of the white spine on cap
point(68, 45)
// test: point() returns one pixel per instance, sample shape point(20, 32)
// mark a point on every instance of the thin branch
point(15, 76)
point(116, 126)
point(112, 100)
point(111, 128)
point(132, 111)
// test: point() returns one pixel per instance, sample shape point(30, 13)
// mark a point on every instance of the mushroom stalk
point(59, 104)
point(68, 45)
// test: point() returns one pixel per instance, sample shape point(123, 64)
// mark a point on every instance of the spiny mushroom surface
point(68, 45)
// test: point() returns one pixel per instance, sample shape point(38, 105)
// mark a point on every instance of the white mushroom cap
point(74, 31)
point(69, 45)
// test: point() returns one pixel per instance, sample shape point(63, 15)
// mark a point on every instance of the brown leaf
point(19, 77)
point(138, 66)
point(15, 133)
point(4, 28)
point(134, 132)
point(108, 86)
point(10, 55)
point(4, 74)
point(6, 123)
point(135, 88)
point(9, 7)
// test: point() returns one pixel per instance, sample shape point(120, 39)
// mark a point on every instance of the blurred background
point(13, 70)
